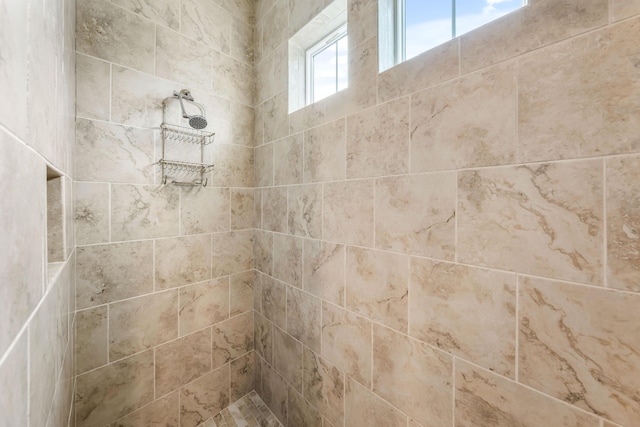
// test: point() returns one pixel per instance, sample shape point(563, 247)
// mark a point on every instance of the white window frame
point(331, 39)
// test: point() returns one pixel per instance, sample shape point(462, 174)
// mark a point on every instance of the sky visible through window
point(325, 80)
point(429, 22)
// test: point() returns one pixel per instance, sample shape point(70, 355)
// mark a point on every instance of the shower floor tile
point(249, 411)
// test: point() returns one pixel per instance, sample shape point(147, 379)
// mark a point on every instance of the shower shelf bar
point(183, 134)
point(176, 166)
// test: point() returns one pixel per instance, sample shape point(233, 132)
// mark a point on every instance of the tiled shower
point(452, 242)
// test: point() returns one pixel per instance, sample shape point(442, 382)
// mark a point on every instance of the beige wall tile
point(244, 9)
point(263, 251)
point(182, 261)
point(142, 212)
point(621, 9)
point(107, 273)
point(263, 337)
point(287, 357)
point(203, 304)
point(287, 259)
point(274, 392)
point(287, 160)
point(232, 338)
point(323, 386)
point(264, 165)
point(416, 214)
point(466, 311)
point(541, 23)
point(163, 410)
point(241, 293)
point(91, 212)
point(181, 59)
point(378, 286)
point(14, 399)
point(232, 79)
point(232, 252)
point(363, 20)
point(362, 407)
point(93, 88)
point(426, 393)
point(163, 12)
point(234, 166)
point(378, 140)
point(207, 23)
point(310, 116)
point(276, 32)
point(305, 210)
point(274, 209)
point(205, 397)
point(569, 113)
point(484, 399)
point(274, 300)
point(272, 71)
point(241, 209)
point(205, 210)
point(623, 224)
point(125, 386)
point(242, 35)
point(427, 69)
point(571, 345)
point(302, 12)
point(303, 318)
point(113, 153)
point(323, 271)
point(242, 376)
point(102, 30)
point(92, 339)
point(347, 212)
point(300, 412)
point(181, 361)
point(346, 342)
point(276, 116)
point(468, 122)
point(325, 152)
point(554, 210)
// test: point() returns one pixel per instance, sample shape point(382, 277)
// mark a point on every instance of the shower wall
point(37, 262)
point(454, 241)
point(164, 273)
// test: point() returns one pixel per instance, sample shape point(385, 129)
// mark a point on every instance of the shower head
point(197, 121)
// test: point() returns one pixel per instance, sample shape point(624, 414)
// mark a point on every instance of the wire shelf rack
point(174, 170)
point(184, 134)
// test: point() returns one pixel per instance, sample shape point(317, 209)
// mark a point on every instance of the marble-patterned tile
point(308, 117)
point(103, 29)
point(232, 338)
point(274, 300)
point(234, 166)
point(258, 125)
point(232, 252)
point(182, 261)
point(183, 60)
point(245, 9)
point(623, 223)
point(204, 397)
point(621, 9)
point(378, 286)
point(55, 217)
point(203, 304)
point(569, 113)
point(264, 165)
point(425, 70)
point(287, 357)
point(305, 210)
point(323, 270)
point(325, 153)
point(571, 339)
point(549, 20)
point(241, 208)
point(125, 386)
point(144, 211)
point(413, 377)
point(232, 79)
point(263, 251)
point(378, 140)
point(301, 13)
point(274, 209)
point(204, 210)
point(136, 98)
point(346, 342)
point(181, 361)
point(93, 88)
point(276, 117)
point(287, 160)
point(274, 392)
point(347, 212)
point(92, 339)
point(287, 259)
point(276, 32)
point(416, 214)
point(113, 153)
point(363, 20)
point(362, 407)
point(323, 386)
point(300, 412)
point(303, 318)
point(163, 411)
point(257, 208)
point(441, 295)
point(240, 293)
point(468, 122)
point(14, 377)
point(241, 44)
point(232, 122)
point(242, 376)
point(207, 23)
point(555, 210)
point(484, 399)
point(91, 212)
point(163, 12)
point(272, 72)
point(263, 337)
point(107, 273)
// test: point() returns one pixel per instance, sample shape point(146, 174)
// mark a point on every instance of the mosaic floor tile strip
point(249, 411)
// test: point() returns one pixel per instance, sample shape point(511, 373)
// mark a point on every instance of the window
point(327, 66)
point(410, 27)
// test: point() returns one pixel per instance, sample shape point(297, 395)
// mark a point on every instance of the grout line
point(108, 337)
point(605, 235)
point(517, 331)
